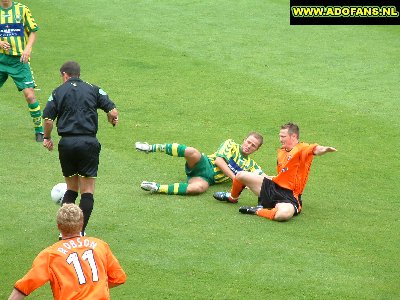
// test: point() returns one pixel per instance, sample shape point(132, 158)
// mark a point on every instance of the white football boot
point(149, 186)
point(143, 147)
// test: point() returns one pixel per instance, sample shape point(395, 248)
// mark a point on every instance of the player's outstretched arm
point(321, 150)
point(16, 295)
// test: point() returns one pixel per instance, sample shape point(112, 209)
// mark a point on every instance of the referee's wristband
point(47, 138)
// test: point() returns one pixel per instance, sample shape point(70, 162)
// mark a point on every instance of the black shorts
point(271, 194)
point(79, 155)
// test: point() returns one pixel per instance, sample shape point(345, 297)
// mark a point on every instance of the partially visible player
point(279, 197)
point(205, 170)
point(17, 36)
point(77, 267)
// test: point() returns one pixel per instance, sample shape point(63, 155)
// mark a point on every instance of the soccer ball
point(57, 192)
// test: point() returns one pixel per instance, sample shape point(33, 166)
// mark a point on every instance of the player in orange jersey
point(78, 267)
point(279, 197)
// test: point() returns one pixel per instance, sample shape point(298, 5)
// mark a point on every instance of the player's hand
point(331, 149)
point(320, 150)
point(48, 144)
point(112, 116)
point(25, 55)
point(114, 121)
point(5, 46)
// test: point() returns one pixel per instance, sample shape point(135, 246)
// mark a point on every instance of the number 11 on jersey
point(88, 256)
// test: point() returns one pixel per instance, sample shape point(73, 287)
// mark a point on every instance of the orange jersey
point(294, 166)
point(77, 268)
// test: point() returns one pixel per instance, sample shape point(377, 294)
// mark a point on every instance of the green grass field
point(199, 72)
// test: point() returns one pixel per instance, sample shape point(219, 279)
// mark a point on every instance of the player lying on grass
point(77, 267)
point(279, 197)
point(205, 170)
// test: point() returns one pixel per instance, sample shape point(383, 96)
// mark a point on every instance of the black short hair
point(72, 68)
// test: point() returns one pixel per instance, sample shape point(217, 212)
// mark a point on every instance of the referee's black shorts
point(79, 155)
point(271, 194)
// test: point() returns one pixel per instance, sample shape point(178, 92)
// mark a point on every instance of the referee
point(74, 104)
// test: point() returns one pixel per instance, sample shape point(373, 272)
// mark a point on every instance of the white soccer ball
point(57, 192)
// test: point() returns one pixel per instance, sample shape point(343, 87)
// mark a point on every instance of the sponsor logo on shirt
point(9, 30)
point(234, 166)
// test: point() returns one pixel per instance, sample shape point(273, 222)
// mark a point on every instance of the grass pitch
point(198, 72)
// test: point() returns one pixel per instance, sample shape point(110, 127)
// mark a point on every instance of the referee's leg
point(72, 189)
point(86, 186)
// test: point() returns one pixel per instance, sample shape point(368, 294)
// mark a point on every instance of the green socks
point(173, 188)
point(170, 149)
point(36, 115)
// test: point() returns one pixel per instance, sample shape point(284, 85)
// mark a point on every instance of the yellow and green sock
point(173, 188)
point(36, 115)
point(174, 149)
point(177, 150)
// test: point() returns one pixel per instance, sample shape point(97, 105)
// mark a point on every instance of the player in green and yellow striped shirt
point(17, 36)
point(205, 170)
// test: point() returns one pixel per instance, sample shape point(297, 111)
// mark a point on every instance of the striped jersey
point(232, 154)
point(16, 23)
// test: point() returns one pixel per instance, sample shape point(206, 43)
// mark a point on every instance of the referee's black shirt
point(74, 104)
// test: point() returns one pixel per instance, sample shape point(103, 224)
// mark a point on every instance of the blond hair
point(70, 219)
